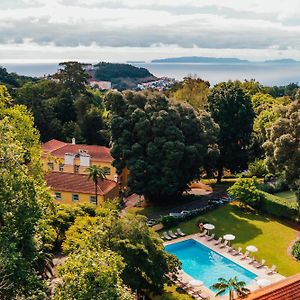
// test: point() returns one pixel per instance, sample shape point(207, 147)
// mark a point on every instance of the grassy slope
point(271, 237)
point(288, 195)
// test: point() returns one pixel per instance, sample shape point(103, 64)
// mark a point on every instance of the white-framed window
point(76, 169)
point(93, 199)
point(61, 167)
point(106, 170)
point(57, 196)
point(75, 197)
point(51, 166)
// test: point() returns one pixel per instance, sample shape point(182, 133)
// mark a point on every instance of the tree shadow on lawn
point(238, 226)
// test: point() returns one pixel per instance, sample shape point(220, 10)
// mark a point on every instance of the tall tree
point(72, 76)
point(163, 144)
point(97, 174)
point(232, 110)
point(283, 144)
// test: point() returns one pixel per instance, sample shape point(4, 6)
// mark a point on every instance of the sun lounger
point(218, 241)
point(223, 245)
point(252, 260)
point(203, 233)
point(230, 249)
point(237, 252)
point(211, 237)
point(172, 235)
point(272, 270)
point(245, 255)
point(261, 264)
point(180, 232)
point(166, 236)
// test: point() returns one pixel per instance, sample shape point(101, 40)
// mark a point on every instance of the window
point(76, 169)
point(57, 196)
point(75, 197)
point(106, 170)
point(93, 199)
point(51, 166)
point(61, 167)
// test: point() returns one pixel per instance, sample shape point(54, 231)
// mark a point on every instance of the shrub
point(296, 250)
point(279, 207)
point(245, 190)
point(257, 168)
point(169, 221)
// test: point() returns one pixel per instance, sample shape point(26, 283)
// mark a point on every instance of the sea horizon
point(266, 73)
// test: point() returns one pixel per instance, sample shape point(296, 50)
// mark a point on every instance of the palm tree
point(96, 173)
point(232, 285)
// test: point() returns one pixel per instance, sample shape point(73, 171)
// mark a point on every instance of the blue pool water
point(206, 265)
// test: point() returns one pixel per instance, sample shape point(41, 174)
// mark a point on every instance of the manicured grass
point(288, 195)
point(271, 237)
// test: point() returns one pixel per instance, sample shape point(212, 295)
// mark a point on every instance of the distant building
point(68, 176)
point(160, 84)
point(102, 85)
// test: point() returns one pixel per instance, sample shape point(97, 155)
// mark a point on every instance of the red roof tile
point(59, 149)
point(77, 183)
point(286, 289)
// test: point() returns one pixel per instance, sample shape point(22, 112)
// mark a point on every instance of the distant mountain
point(199, 59)
point(282, 61)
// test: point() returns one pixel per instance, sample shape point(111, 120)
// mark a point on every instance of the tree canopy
point(24, 200)
point(232, 110)
point(283, 145)
point(163, 144)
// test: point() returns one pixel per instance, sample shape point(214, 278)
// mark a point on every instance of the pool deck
point(261, 272)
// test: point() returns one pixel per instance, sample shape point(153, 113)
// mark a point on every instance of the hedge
point(296, 250)
point(279, 207)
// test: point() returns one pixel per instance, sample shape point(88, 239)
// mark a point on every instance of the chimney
point(73, 141)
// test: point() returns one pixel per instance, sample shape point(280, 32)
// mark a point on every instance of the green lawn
point(288, 195)
point(172, 293)
point(270, 236)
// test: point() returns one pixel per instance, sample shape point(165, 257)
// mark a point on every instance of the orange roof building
point(286, 289)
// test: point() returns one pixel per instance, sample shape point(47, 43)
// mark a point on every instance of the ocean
point(266, 73)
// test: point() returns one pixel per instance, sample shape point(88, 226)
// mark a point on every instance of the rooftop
point(77, 183)
point(59, 149)
point(286, 289)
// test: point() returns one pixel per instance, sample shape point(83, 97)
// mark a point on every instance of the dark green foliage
point(283, 144)
point(286, 90)
point(72, 76)
point(296, 250)
point(109, 71)
point(122, 76)
point(232, 110)
point(163, 144)
point(279, 207)
point(59, 114)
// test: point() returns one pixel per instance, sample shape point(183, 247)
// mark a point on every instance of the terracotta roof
point(286, 289)
point(52, 145)
point(77, 183)
point(59, 149)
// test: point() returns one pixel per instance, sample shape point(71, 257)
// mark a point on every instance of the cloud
point(205, 24)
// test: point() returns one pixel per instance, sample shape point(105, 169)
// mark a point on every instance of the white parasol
point(251, 248)
point(209, 226)
point(229, 237)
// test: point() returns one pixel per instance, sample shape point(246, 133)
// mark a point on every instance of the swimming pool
point(206, 265)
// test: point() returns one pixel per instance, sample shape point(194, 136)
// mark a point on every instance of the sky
point(120, 30)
